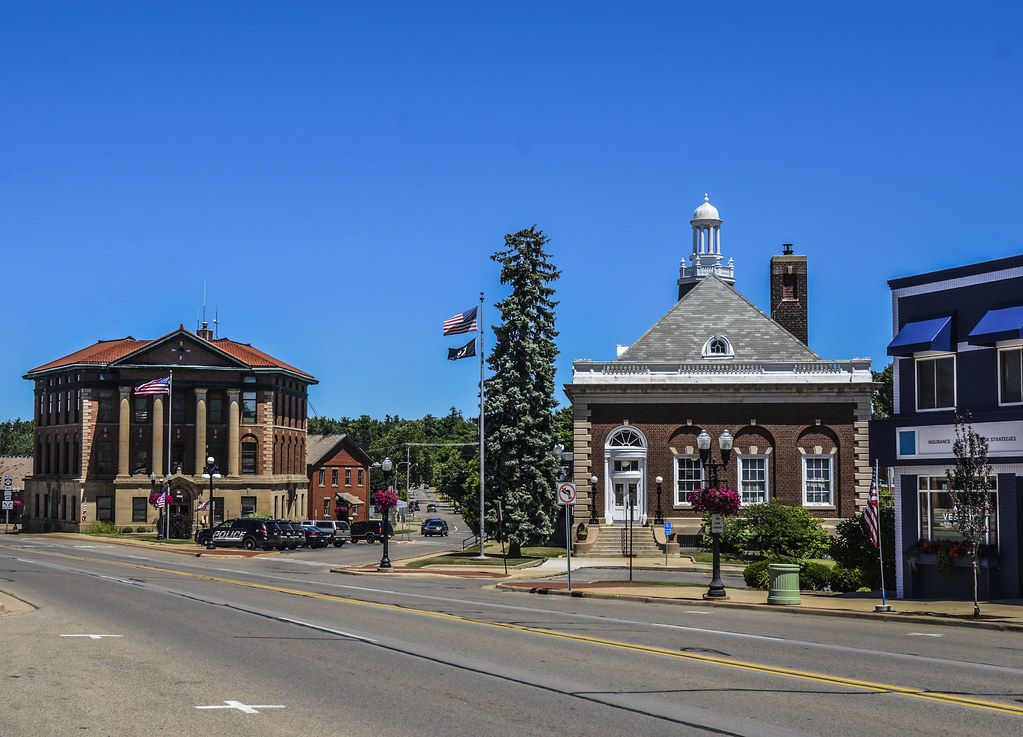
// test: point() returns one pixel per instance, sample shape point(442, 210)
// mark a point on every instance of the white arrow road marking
point(93, 637)
point(925, 634)
point(246, 708)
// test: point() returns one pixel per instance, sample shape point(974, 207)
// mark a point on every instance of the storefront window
point(936, 511)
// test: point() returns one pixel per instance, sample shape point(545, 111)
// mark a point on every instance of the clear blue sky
point(339, 173)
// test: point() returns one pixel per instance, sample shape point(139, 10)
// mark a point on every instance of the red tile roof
point(106, 352)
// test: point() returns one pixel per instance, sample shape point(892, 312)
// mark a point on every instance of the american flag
point(870, 514)
point(463, 322)
point(204, 506)
point(156, 386)
point(161, 501)
point(85, 507)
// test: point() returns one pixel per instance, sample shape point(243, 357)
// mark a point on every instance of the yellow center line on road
point(916, 693)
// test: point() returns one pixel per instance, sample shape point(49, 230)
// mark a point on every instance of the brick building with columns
point(100, 444)
point(714, 361)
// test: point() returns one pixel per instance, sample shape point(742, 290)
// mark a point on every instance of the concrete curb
point(915, 618)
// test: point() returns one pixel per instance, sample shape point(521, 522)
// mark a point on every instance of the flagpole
point(880, 546)
point(483, 401)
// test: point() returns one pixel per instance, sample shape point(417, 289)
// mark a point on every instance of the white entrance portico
point(625, 454)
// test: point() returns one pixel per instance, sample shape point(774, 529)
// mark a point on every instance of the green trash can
point(784, 583)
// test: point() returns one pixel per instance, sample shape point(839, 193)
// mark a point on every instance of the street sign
point(8, 481)
point(8, 505)
point(667, 529)
point(717, 523)
point(566, 493)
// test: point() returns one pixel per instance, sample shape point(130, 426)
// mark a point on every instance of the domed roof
point(706, 211)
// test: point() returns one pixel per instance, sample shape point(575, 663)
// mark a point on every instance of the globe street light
point(717, 588)
point(210, 471)
point(593, 500)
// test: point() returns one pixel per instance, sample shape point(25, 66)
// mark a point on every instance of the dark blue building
point(958, 344)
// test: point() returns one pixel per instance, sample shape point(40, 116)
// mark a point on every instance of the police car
point(245, 533)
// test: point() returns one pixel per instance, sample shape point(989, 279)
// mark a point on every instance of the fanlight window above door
point(626, 438)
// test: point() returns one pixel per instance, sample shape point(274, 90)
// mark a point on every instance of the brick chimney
point(204, 332)
point(788, 292)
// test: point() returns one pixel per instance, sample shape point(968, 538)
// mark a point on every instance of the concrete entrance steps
point(613, 541)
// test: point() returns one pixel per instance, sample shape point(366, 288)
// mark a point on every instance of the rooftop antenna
point(216, 325)
point(204, 332)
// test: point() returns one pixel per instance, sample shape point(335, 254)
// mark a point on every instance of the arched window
point(717, 346)
point(626, 438)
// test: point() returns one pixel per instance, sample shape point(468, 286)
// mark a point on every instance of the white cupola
point(706, 258)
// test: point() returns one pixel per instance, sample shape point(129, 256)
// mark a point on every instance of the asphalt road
point(130, 641)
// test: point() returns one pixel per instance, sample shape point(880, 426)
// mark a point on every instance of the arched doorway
point(625, 459)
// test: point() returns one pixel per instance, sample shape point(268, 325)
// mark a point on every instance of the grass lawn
point(495, 560)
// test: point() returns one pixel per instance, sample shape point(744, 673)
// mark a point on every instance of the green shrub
point(781, 531)
point(813, 576)
point(852, 548)
point(141, 528)
point(100, 527)
point(756, 575)
point(126, 530)
point(180, 527)
point(845, 579)
point(733, 540)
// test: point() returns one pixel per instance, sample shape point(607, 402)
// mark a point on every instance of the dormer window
point(717, 346)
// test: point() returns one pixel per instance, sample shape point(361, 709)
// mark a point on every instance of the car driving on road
point(434, 526)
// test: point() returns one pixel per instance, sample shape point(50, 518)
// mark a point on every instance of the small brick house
point(338, 471)
point(716, 362)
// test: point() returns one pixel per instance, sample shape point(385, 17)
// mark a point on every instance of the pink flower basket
point(725, 502)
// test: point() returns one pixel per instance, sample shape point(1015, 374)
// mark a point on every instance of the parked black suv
point(370, 530)
point(244, 532)
point(292, 534)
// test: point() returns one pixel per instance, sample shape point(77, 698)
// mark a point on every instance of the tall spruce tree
point(521, 433)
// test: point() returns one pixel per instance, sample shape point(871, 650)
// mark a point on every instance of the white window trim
point(675, 490)
point(729, 353)
point(1004, 348)
point(831, 480)
point(767, 475)
point(930, 356)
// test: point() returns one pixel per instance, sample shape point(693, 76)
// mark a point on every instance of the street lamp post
point(211, 471)
point(659, 518)
point(717, 588)
point(385, 561)
point(593, 500)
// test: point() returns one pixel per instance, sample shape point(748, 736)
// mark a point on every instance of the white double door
point(625, 486)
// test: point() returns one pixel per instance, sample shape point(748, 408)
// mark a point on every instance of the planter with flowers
point(946, 554)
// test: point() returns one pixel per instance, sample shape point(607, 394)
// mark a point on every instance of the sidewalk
point(1005, 615)
point(996, 615)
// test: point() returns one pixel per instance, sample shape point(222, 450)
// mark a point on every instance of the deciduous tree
point(972, 500)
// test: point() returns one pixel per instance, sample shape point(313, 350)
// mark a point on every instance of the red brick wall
point(782, 428)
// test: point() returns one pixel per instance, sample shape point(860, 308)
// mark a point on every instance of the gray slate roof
point(714, 307)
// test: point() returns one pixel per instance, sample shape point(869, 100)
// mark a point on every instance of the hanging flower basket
point(725, 502)
point(154, 498)
point(385, 499)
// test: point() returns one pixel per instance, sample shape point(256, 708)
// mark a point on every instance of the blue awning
point(926, 335)
point(996, 325)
